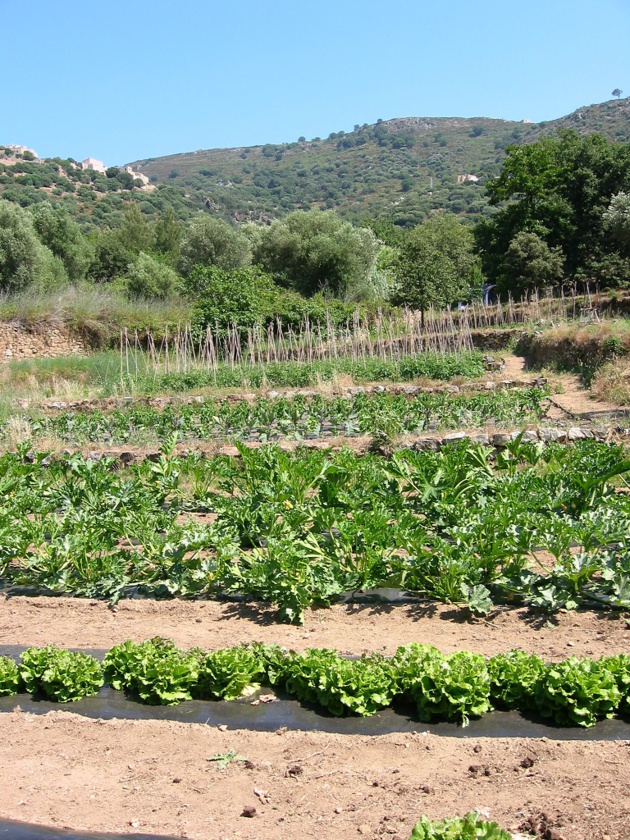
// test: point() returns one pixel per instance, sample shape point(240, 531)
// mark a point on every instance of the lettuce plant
point(59, 674)
point(156, 671)
point(513, 678)
point(577, 692)
point(9, 676)
point(471, 827)
point(229, 673)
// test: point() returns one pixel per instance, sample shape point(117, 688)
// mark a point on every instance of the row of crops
point(438, 687)
point(296, 374)
point(547, 525)
point(295, 418)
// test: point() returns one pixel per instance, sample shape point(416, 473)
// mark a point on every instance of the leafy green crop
point(619, 667)
point(577, 691)
point(471, 827)
point(156, 671)
point(9, 676)
point(361, 686)
point(513, 679)
point(229, 673)
point(301, 529)
point(454, 687)
point(59, 674)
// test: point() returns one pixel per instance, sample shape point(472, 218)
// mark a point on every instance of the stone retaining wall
point(46, 341)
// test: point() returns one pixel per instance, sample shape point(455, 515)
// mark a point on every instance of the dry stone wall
point(18, 341)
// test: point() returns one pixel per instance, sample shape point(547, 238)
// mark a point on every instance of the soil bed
point(349, 628)
point(62, 770)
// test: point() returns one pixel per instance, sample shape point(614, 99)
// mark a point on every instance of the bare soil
point(352, 628)
point(63, 770)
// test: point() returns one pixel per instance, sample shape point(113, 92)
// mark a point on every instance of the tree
point(63, 236)
point(312, 251)
point(616, 92)
point(167, 235)
point(532, 264)
point(558, 189)
point(617, 218)
point(24, 260)
point(111, 259)
point(135, 233)
point(241, 296)
point(436, 265)
point(211, 241)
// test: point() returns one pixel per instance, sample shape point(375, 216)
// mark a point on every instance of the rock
point(480, 437)
point(364, 829)
point(501, 439)
point(549, 434)
point(453, 436)
point(490, 386)
point(411, 389)
point(530, 436)
point(575, 433)
point(452, 389)
point(273, 395)
point(248, 811)
point(427, 445)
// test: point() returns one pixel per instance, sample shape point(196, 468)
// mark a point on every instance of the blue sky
point(121, 81)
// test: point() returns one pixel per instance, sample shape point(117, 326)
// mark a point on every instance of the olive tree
point(314, 251)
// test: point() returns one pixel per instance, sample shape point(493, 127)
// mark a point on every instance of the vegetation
point(453, 687)
point(465, 525)
point(471, 827)
point(558, 190)
point(296, 418)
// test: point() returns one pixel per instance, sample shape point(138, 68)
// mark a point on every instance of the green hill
point(399, 169)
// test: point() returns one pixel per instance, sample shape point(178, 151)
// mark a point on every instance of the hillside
point(400, 169)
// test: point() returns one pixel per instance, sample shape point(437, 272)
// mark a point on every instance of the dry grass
point(611, 383)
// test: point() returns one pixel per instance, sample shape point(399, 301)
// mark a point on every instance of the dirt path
point(572, 399)
point(154, 776)
point(79, 622)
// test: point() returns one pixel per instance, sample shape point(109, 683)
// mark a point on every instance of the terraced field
point(401, 544)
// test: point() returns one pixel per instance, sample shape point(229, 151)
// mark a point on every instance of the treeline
point(562, 217)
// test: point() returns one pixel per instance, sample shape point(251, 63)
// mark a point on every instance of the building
point(467, 179)
point(93, 164)
point(21, 149)
point(138, 176)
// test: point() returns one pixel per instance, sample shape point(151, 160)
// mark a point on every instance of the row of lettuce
point(453, 687)
point(467, 525)
point(296, 418)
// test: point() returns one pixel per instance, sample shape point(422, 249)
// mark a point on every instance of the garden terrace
point(465, 525)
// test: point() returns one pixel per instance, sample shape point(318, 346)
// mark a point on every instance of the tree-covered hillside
point(401, 169)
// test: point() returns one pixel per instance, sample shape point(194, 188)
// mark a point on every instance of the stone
point(575, 433)
point(480, 437)
point(501, 438)
point(549, 434)
point(453, 436)
point(530, 436)
point(427, 445)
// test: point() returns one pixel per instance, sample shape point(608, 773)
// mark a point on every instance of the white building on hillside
point(93, 164)
point(21, 149)
point(137, 175)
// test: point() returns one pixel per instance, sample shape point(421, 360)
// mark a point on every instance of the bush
point(149, 278)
